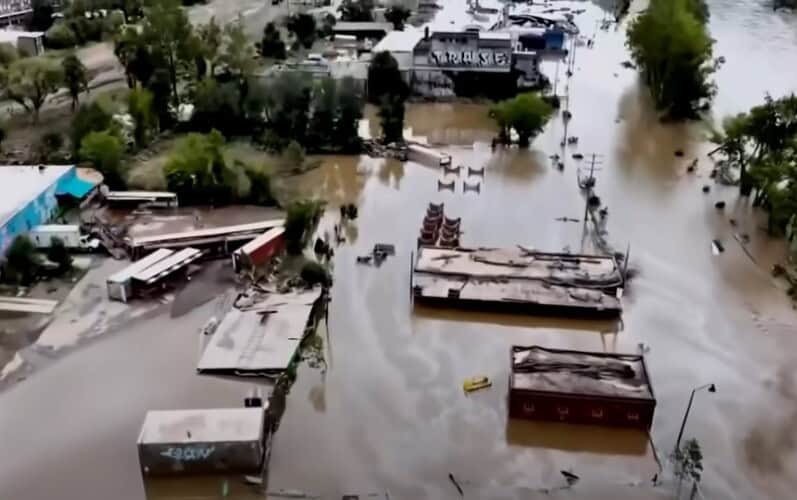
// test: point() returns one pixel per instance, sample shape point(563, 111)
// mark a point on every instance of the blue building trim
point(39, 210)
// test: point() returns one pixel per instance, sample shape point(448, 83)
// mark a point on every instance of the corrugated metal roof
point(21, 304)
point(261, 240)
point(215, 231)
point(363, 26)
point(21, 184)
point(168, 265)
point(253, 342)
point(217, 425)
point(399, 41)
point(139, 265)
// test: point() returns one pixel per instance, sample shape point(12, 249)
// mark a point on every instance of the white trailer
point(43, 236)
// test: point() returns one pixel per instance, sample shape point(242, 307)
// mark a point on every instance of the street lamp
point(711, 388)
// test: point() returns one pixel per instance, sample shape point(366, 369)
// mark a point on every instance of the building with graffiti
point(443, 64)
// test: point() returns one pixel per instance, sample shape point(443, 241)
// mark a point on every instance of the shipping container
point(260, 250)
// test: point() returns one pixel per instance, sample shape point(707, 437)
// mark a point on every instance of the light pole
point(711, 388)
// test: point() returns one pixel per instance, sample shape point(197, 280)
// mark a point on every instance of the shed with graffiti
point(220, 440)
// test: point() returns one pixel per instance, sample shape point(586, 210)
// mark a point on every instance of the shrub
point(314, 273)
point(22, 262)
point(300, 221)
point(58, 253)
point(105, 151)
point(60, 36)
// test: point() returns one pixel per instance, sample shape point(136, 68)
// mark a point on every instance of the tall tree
point(30, 81)
point(104, 151)
point(272, 46)
point(140, 107)
point(357, 10)
point(670, 44)
point(238, 54)
point(384, 77)
point(302, 26)
point(167, 31)
point(398, 15)
point(350, 103)
point(210, 38)
point(322, 121)
point(75, 78)
point(391, 113)
point(527, 114)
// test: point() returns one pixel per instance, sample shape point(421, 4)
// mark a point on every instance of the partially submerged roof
point(261, 240)
point(168, 265)
point(139, 195)
point(346, 26)
point(77, 186)
point(262, 340)
point(140, 265)
point(218, 425)
point(399, 41)
point(21, 184)
point(585, 373)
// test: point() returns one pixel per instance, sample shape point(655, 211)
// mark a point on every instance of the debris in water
point(716, 247)
point(627, 65)
point(706, 188)
point(732, 222)
point(452, 170)
point(445, 185)
point(692, 166)
point(679, 153)
point(476, 383)
point(364, 259)
point(567, 219)
point(456, 484)
point(719, 205)
point(480, 171)
point(578, 156)
point(594, 201)
point(476, 187)
point(569, 477)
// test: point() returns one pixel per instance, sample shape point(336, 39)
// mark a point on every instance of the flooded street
point(388, 414)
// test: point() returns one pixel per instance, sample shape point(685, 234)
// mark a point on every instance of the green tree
point(92, 117)
point(327, 27)
point(303, 28)
point(272, 46)
point(22, 261)
point(322, 121)
point(384, 77)
point(210, 38)
point(59, 254)
point(350, 112)
point(75, 78)
point(670, 44)
point(398, 15)
point(526, 113)
point(197, 172)
point(60, 36)
point(8, 54)
point(689, 462)
point(287, 106)
point(300, 221)
point(30, 81)
point(104, 150)
point(238, 54)
point(140, 107)
point(391, 114)
point(313, 273)
point(217, 106)
point(168, 32)
point(42, 16)
point(356, 10)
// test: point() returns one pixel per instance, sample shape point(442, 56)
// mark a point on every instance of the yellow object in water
point(476, 383)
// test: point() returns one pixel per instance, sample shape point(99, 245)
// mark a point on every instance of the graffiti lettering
point(189, 453)
point(481, 58)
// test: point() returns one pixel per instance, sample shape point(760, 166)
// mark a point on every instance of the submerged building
point(442, 64)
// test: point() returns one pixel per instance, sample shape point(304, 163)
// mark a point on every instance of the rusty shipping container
point(580, 387)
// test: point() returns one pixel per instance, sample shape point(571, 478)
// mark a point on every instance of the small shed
point(220, 440)
point(29, 43)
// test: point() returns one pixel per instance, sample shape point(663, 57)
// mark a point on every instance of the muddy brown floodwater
point(388, 414)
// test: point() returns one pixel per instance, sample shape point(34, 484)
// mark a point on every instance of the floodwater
point(388, 413)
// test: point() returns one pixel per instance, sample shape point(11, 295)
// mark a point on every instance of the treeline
point(671, 45)
point(762, 145)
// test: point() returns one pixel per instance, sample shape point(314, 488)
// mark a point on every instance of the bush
point(105, 152)
point(58, 253)
point(197, 172)
point(8, 54)
point(87, 30)
point(314, 273)
point(60, 36)
point(49, 146)
point(22, 262)
point(300, 221)
point(3, 135)
point(89, 118)
point(260, 192)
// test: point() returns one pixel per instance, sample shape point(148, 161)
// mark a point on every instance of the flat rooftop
point(218, 425)
point(399, 41)
point(518, 263)
point(168, 265)
point(584, 373)
point(140, 265)
point(20, 184)
point(255, 227)
point(260, 340)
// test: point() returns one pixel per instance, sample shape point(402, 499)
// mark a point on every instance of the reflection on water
point(389, 413)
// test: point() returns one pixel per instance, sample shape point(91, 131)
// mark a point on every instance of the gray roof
point(216, 425)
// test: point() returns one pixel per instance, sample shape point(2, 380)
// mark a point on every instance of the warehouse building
point(30, 196)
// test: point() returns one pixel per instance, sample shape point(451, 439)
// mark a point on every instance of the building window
point(597, 413)
point(528, 407)
point(632, 416)
point(563, 411)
